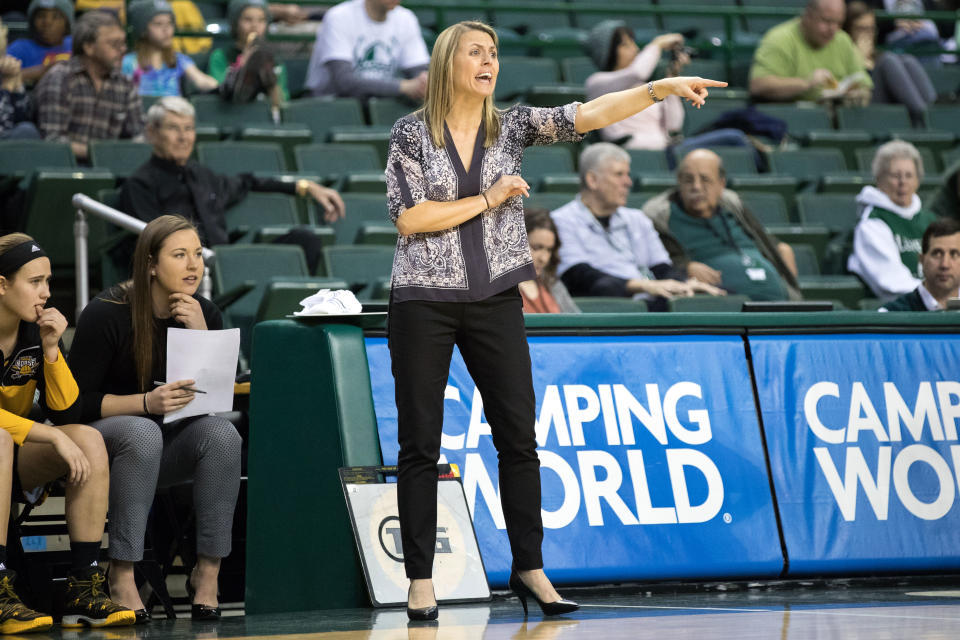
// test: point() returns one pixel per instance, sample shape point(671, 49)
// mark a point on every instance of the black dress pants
point(493, 343)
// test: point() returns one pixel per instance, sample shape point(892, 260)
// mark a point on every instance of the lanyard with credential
point(746, 260)
point(606, 232)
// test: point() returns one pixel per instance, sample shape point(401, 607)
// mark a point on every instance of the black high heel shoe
point(425, 613)
point(548, 608)
point(201, 612)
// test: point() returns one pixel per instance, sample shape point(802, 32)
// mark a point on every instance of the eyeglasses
point(118, 44)
point(175, 128)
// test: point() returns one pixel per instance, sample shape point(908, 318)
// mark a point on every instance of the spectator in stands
point(609, 249)
point(171, 181)
point(369, 48)
point(707, 229)
point(907, 32)
point(33, 454)
point(15, 105)
point(247, 66)
point(624, 65)
point(546, 293)
point(801, 58)
point(187, 17)
point(887, 240)
point(118, 351)
point(154, 66)
point(897, 78)
point(87, 97)
point(940, 263)
point(946, 202)
point(49, 41)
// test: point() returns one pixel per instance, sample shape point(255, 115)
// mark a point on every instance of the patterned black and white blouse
point(488, 253)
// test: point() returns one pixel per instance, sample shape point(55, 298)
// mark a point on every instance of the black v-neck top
point(488, 253)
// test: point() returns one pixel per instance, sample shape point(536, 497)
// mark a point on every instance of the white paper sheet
point(209, 358)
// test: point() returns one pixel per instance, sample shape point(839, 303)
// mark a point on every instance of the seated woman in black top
point(118, 350)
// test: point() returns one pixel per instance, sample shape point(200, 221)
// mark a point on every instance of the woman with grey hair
point(886, 241)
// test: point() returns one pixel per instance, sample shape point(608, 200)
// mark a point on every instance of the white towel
point(327, 302)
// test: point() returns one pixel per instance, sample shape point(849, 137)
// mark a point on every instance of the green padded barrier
point(311, 412)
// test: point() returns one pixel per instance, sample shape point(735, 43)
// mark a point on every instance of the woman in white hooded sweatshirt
point(887, 240)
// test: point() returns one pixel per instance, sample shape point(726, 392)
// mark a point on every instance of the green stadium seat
point(768, 208)
point(332, 161)
point(946, 81)
point(551, 95)
point(706, 68)
point(648, 161)
point(121, 157)
point(950, 158)
point(236, 157)
point(806, 256)
point(540, 162)
point(548, 201)
point(240, 276)
point(365, 182)
point(801, 118)
point(258, 210)
point(933, 141)
point(577, 69)
point(870, 304)
point(20, 157)
point(320, 115)
point(601, 304)
point(707, 304)
point(378, 136)
point(560, 183)
point(807, 165)
point(50, 214)
point(519, 73)
point(848, 182)
point(297, 69)
point(761, 24)
point(559, 42)
point(846, 141)
point(364, 267)
point(877, 119)
point(230, 117)
point(846, 289)
point(525, 22)
point(703, 26)
point(385, 111)
point(287, 136)
point(786, 186)
point(943, 117)
point(644, 26)
point(836, 212)
point(361, 209)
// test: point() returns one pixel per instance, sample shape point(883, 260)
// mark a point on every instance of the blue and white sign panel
point(862, 435)
point(651, 458)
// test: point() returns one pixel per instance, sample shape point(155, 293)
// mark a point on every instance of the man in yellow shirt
point(800, 58)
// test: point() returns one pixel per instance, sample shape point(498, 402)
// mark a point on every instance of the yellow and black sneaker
point(88, 605)
point(15, 617)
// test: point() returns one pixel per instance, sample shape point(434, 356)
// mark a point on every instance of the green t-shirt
point(220, 61)
point(908, 234)
point(721, 243)
point(784, 52)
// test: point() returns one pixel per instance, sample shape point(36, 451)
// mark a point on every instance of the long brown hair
point(138, 291)
point(535, 218)
point(143, 48)
point(439, 98)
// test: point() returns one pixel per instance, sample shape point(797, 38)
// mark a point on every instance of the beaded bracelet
point(653, 96)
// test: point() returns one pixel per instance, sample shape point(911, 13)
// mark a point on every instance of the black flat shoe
point(204, 612)
point(548, 608)
point(426, 613)
point(143, 616)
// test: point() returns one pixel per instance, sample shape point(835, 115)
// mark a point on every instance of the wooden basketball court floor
point(889, 610)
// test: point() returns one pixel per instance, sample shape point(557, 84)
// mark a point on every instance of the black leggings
point(493, 343)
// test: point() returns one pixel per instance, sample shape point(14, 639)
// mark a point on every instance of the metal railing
point(84, 205)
